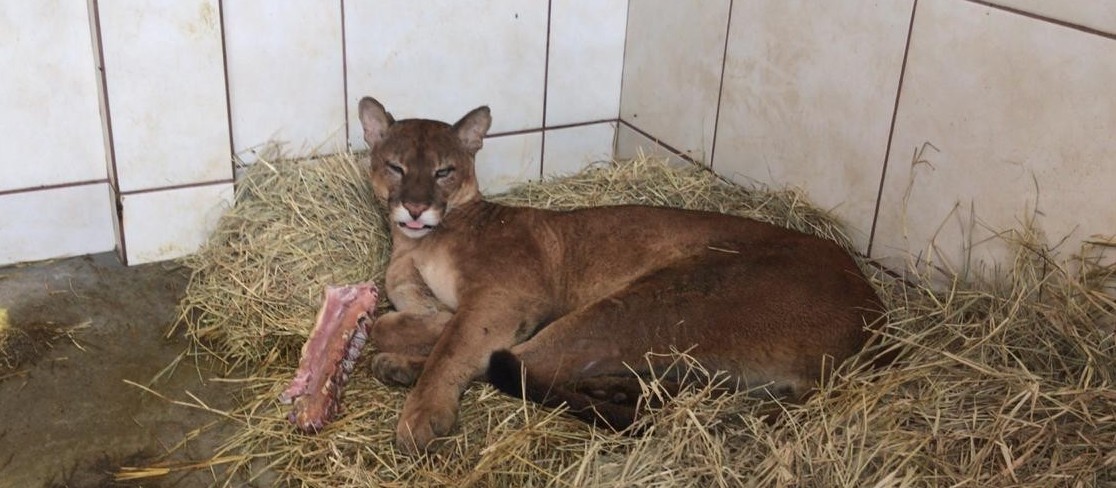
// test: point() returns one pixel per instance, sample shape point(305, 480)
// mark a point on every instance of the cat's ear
point(375, 121)
point(472, 128)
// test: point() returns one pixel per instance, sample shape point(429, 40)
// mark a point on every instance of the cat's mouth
point(415, 228)
point(415, 225)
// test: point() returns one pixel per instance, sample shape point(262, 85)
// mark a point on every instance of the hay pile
point(1007, 383)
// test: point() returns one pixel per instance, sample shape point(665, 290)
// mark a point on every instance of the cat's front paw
point(422, 423)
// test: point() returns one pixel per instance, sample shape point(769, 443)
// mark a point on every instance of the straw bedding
point(1007, 383)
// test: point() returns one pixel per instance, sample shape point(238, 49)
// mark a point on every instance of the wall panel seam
point(1043, 18)
point(345, 76)
point(546, 85)
point(110, 144)
point(56, 186)
point(228, 91)
point(552, 127)
point(623, 70)
point(891, 130)
point(720, 88)
point(178, 187)
point(668, 147)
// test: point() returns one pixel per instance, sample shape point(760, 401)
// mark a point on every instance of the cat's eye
point(444, 172)
point(395, 168)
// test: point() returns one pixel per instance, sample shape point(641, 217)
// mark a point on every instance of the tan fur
point(581, 296)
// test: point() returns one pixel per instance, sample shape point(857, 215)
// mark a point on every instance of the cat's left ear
point(472, 128)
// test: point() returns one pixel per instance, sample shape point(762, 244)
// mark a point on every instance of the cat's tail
point(507, 374)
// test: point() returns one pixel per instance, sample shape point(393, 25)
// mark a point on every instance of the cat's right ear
point(375, 121)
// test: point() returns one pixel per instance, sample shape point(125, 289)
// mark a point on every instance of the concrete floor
point(83, 327)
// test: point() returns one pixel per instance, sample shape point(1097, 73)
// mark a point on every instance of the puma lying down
point(578, 298)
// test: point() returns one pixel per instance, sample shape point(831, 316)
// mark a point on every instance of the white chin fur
point(428, 218)
point(415, 233)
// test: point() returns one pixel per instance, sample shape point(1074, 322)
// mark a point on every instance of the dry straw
point(1008, 383)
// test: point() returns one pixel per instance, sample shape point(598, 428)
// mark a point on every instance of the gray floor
point(86, 326)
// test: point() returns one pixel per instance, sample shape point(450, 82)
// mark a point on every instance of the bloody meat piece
point(329, 355)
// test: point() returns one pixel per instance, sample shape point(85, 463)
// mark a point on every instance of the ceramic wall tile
point(507, 160)
point(672, 71)
point(165, 85)
point(586, 60)
point(168, 224)
point(571, 149)
point(1020, 113)
point(440, 59)
point(286, 79)
point(1095, 14)
point(808, 98)
point(49, 114)
point(58, 222)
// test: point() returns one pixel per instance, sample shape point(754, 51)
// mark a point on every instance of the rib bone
point(329, 354)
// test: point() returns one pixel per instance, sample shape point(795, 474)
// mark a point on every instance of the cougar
point(564, 306)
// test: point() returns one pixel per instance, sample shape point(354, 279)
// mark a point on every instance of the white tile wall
point(1009, 100)
point(808, 97)
point(168, 224)
point(55, 223)
point(50, 123)
point(286, 82)
point(1023, 123)
point(571, 149)
point(507, 160)
point(672, 71)
point(166, 91)
point(586, 60)
point(1096, 14)
point(439, 59)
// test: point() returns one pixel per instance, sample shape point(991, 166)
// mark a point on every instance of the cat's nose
point(415, 209)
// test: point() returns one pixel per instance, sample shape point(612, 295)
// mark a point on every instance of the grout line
point(1043, 18)
point(623, 69)
point(546, 84)
point(544, 129)
point(720, 88)
point(110, 139)
point(228, 92)
point(55, 186)
point(513, 133)
point(178, 187)
point(891, 131)
point(580, 124)
point(345, 77)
